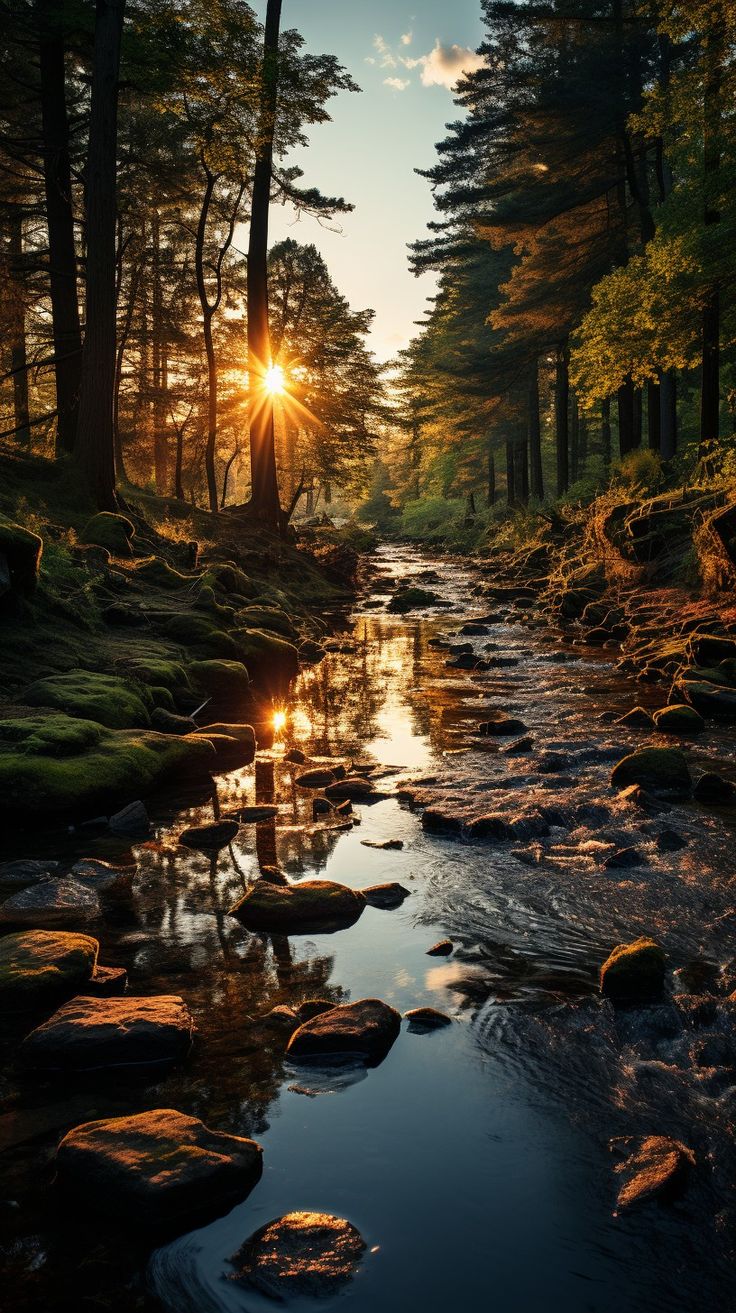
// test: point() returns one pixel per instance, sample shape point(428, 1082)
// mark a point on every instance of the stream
point(474, 1160)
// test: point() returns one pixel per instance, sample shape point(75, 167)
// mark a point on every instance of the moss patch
point(634, 970)
point(115, 532)
point(270, 660)
point(663, 770)
point(679, 719)
point(199, 632)
point(22, 551)
point(42, 967)
point(223, 681)
point(87, 695)
point(57, 765)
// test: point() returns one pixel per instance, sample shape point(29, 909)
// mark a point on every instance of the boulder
point(300, 1255)
point(157, 1170)
point(18, 875)
point(318, 778)
point(41, 967)
point(709, 698)
point(299, 908)
point(131, 822)
point(50, 903)
point(410, 599)
point(106, 699)
point(217, 835)
point(354, 788)
point(106, 529)
point(625, 859)
point(679, 719)
point(104, 877)
point(637, 718)
point(669, 841)
point(265, 811)
point(422, 1020)
point(20, 559)
point(714, 790)
point(658, 770)
point(385, 895)
point(364, 1030)
point(111, 1032)
point(656, 1166)
point(225, 684)
point(473, 629)
point(634, 971)
point(271, 661)
point(107, 982)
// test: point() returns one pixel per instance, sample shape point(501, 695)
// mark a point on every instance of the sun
point(279, 721)
point(273, 380)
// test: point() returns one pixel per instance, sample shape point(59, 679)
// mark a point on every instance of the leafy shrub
point(639, 471)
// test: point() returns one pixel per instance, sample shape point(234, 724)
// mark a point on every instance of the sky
point(405, 57)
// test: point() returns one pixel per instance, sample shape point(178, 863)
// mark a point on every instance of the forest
point(367, 655)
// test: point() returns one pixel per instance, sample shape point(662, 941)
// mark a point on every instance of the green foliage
point(640, 471)
point(88, 695)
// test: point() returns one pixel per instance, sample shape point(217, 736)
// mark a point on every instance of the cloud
point(407, 38)
point(398, 84)
point(386, 58)
point(445, 65)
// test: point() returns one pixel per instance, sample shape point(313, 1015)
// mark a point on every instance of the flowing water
point(474, 1160)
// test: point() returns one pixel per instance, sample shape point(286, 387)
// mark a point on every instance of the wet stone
point(656, 1166)
point(364, 1030)
point(20, 874)
point(443, 948)
point(500, 725)
point(217, 835)
point(106, 982)
point(388, 845)
point(385, 895)
point(157, 1170)
point(634, 971)
point(252, 815)
point(87, 1033)
point(625, 859)
point(296, 908)
point(422, 1020)
point(300, 1255)
point(131, 822)
point(40, 967)
point(354, 788)
point(637, 718)
point(658, 770)
point(669, 841)
point(51, 903)
point(714, 790)
point(315, 779)
point(104, 877)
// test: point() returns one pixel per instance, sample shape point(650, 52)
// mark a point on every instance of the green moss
point(89, 695)
point(223, 681)
point(270, 660)
point(42, 967)
point(271, 618)
point(664, 770)
point(41, 772)
point(198, 631)
point(634, 970)
point(22, 550)
point(162, 674)
point(115, 532)
point(679, 719)
point(230, 579)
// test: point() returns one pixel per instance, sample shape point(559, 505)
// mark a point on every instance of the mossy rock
point(304, 907)
point(709, 648)
point(270, 660)
point(679, 719)
point(634, 971)
point(57, 766)
point(230, 579)
point(198, 631)
point(107, 529)
point(715, 700)
point(158, 672)
point(410, 599)
point(661, 770)
point(22, 551)
point(88, 695)
point(42, 967)
point(157, 573)
point(230, 752)
point(225, 683)
point(727, 668)
point(271, 618)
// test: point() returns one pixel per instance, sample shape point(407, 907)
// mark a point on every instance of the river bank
point(488, 1140)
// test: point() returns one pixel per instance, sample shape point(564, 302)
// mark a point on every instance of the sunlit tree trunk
point(654, 415)
point(94, 448)
point(606, 432)
point(668, 410)
point(67, 333)
point(711, 325)
point(574, 440)
point(510, 473)
point(264, 483)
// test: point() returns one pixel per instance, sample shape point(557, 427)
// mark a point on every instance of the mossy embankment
point(117, 628)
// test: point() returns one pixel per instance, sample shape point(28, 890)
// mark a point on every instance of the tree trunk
point(562, 395)
point(160, 436)
point(668, 408)
point(491, 495)
point(638, 418)
point(574, 441)
point(94, 448)
point(711, 323)
point(18, 353)
point(264, 483)
point(582, 443)
point(179, 461)
point(626, 418)
point(67, 333)
point(606, 432)
point(521, 466)
point(510, 473)
point(535, 435)
point(654, 415)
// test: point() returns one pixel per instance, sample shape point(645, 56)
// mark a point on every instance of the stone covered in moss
point(709, 698)
point(159, 672)
point(679, 719)
point(58, 765)
point(225, 683)
point(634, 971)
point(662, 770)
point(410, 599)
point(230, 579)
point(40, 967)
point(300, 1255)
point(157, 573)
point(89, 695)
point(299, 907)
point(158, 1169)
point(270, 660)
point(271, 618)
point(115, 532)
point(22, 551)
point(202, 634)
